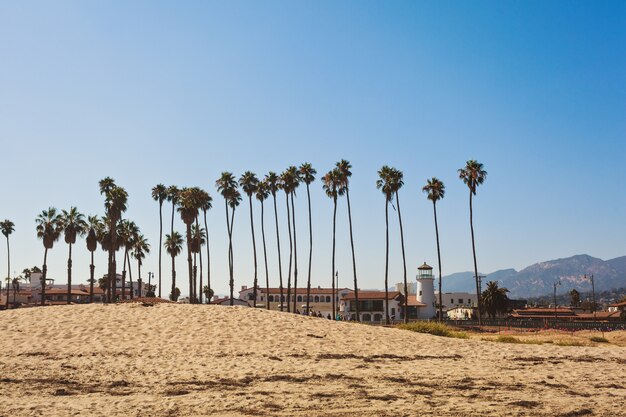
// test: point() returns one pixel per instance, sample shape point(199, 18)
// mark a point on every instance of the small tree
point(494, 299)
point(574, 298)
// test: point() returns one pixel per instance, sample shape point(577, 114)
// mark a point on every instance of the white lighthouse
point(426, 291)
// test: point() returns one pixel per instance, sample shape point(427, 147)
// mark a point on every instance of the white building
point(421, 302)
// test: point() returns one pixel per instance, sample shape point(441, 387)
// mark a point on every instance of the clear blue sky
point(150, 92)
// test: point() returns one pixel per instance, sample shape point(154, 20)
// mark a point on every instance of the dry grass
point(434, 328)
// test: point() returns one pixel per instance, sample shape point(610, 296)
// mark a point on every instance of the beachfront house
point(372, 305)
point(320, 299)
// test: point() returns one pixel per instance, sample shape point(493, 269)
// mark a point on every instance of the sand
point(183, 360)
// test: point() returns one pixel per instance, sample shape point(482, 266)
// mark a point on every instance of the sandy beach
point(180, 360)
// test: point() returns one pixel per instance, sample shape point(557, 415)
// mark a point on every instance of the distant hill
point(538, 279)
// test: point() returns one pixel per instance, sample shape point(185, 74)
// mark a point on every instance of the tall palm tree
point(227, 186)
point(159, 193)
point(48, 230)
point(473, 175)
point(344, 168)
point(127, 231)
point(262, 192)
point(7, 227)
point(198, 239)
point(397, 183)
point(188, 209)
point(273, 185)
point(285, 184)
point(141, 248)
point(436, 191)
point(173, 246)
point(333, 187)
point(115, 202)
point(205, 205)
point(294, 177)
point(73, 224)
point(385, 184)
point(250, 184)
point(307, 173)
point(92, 245)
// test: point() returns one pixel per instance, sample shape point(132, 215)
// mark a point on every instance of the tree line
point(113, 233)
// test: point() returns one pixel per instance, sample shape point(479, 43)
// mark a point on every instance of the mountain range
point(538, 279)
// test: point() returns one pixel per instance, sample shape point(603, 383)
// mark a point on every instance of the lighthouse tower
point(426, 291)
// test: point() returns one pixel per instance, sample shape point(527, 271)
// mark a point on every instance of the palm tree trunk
point(160, 240)
point(267, 275)
point(295, 256)
point(69, 276)
point(44, 272)
point(208, 258)
point(387, 262)
point(475, 264)
point(173, 294)
point(138, 277)
point(308, 284)
point(406, 285)
point(290, 255)
point(439, 260)
point(112, 272)
point(195, 267)
point(200, 287)
point(333, 273)
point(356, 287)
point(189, 262)
point(254, 290)
point(130, 277)
point(124, 273)
point(232, 258)
point(91, 278)
point(8, 269)
point(230, 263)
point(280, 268)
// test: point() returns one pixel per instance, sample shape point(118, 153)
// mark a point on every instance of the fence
point(543, 324)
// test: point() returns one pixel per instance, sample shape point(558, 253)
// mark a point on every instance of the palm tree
point(385, 184)
point(294, 177)
point(436, 191)
point(285, 184)
point(494, 299)
point(115, 204)
point(141, 247)
point(333, 187)
point(397, 183)
point(173, 246)
point(159, 193)
point(49, 231)
point(92, 244)
point(250, 184)
point(262, 192)
point(344, 168)
point(205, 205)
point(7, 227)
point(198, 239)
point(273, 185)
point(127, 232)
point(473, 175)
point(15, 283)
point(73, 224)
point(227, 186)
point(307, 173)
point(188, 209)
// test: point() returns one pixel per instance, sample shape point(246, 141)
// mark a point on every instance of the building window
point(452, 301)
point(270, 298)
point(420, 293)
point(299, 298)
point(328, 298)
point(367, 317)
point(460, 301)
point(317, 299)
point(378, 317)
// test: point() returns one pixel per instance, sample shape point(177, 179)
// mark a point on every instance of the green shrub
point(598, 339)
point(434, 328)
point(511, 339)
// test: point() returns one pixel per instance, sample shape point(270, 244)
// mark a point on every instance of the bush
point(511, 339)
point(434, 328)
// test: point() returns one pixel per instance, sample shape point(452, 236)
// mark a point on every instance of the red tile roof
point(412, 301)
point(299, 291)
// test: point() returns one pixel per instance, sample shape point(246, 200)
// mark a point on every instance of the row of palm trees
point(110, 231)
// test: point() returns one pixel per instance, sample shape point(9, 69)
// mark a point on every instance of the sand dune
point(171, 360)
